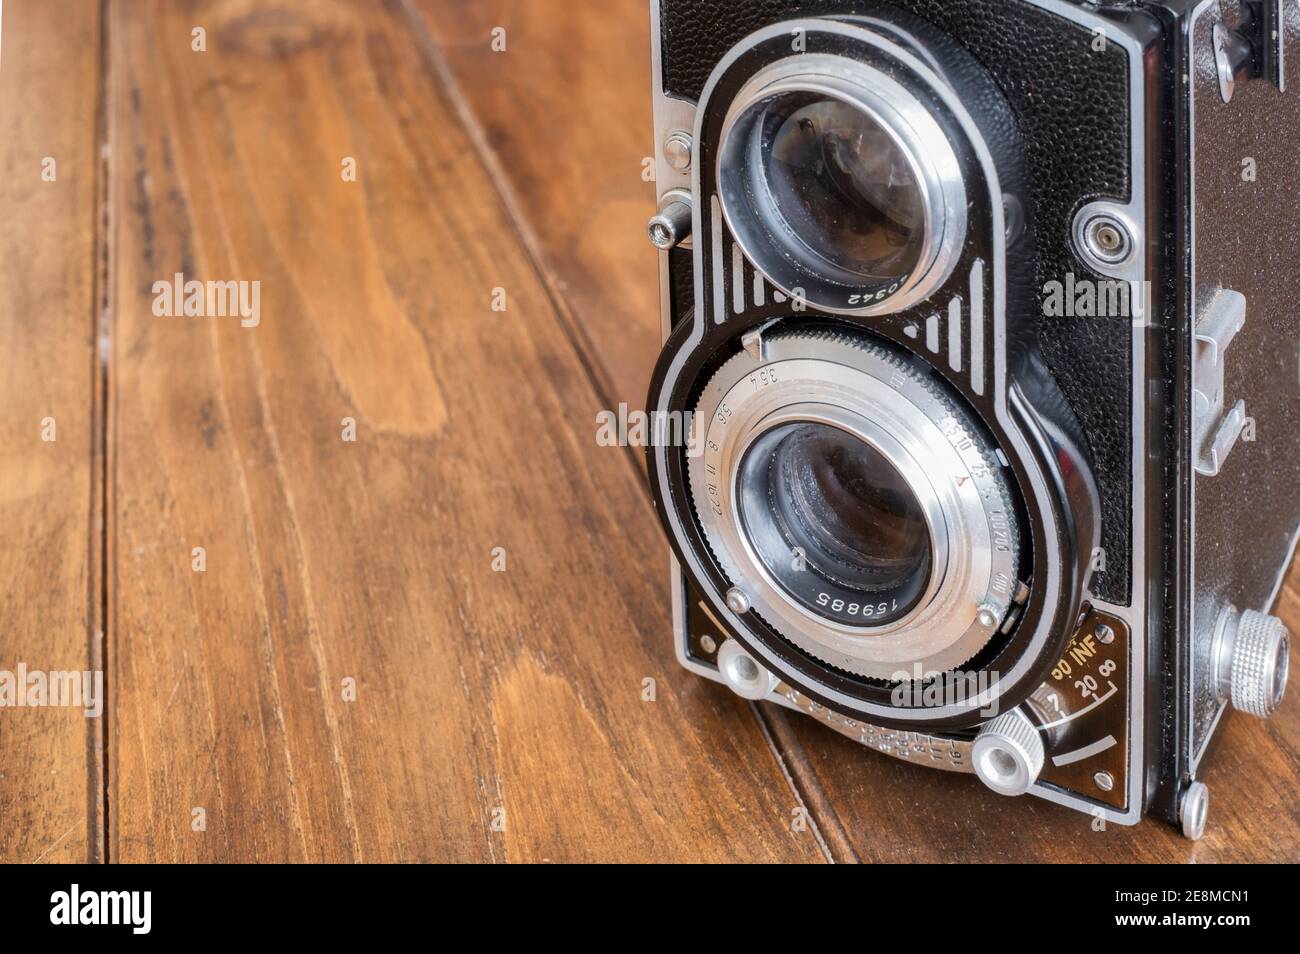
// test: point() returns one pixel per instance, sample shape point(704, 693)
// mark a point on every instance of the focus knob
point(742, 672)
point(1251, 659)
point(1008, 753)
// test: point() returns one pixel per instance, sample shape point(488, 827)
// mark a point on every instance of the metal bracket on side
point(1214, 433)
point(1255, 48)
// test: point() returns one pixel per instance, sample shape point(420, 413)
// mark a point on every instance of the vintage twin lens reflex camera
point(984, 315)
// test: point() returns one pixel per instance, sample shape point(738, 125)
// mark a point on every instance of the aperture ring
point(885, 400)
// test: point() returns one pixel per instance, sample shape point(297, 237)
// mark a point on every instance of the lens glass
point(840, 189)
point(835, 523)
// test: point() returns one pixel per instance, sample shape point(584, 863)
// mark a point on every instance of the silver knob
point(671, 226)
point(678, 150)
point(1008, 753)
point(742, 672)
point(1251, 658)
point(1193, 811)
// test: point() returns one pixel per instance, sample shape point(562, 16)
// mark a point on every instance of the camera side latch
point(1255, 48)
point(1214, 433)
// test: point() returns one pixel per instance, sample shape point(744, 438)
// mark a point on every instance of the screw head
point(677, 152)
point(988, 617)
point(1109, 240)
point(1105, 635)
point(1104, 781)
point(708, 644)
point(737, 601)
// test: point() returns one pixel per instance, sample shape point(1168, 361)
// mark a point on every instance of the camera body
point(981, 313)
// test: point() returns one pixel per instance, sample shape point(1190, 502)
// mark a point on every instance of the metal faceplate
point(1245, 511)
point(1082, 711)
point(1092, 703)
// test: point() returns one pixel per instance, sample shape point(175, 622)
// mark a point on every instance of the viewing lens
point(839, 187)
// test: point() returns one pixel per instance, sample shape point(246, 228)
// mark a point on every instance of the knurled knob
point(1260, 660)
point(1008, 753)
point(1252, 658)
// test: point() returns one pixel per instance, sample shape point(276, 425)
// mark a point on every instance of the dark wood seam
point(97, 810)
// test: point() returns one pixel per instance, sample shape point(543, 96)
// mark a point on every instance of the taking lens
point(835, 524)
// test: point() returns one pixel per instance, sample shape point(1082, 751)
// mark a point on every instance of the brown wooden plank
point(325, 560)
point(565, 110)
point(567, 175)
point(50, 777)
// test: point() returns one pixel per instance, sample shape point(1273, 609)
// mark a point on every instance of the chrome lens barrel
point(841, 186)
point(856, 505)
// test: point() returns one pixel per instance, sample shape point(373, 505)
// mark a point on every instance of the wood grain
point(868, 807)
point(50, 779)
point(564, 110)
point(498, 715)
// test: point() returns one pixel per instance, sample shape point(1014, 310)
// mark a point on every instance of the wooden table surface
point(430, 641)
